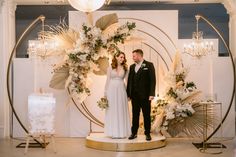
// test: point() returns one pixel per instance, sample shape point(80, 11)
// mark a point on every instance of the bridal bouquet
point(103, 103)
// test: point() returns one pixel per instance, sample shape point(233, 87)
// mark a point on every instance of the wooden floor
point(75, 147)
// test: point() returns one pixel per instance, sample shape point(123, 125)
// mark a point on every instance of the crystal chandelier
point(198, 47)
point(42, 47)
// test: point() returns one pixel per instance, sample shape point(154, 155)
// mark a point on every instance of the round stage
point(101, 142)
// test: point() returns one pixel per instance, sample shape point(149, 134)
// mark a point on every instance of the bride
point(117, 121)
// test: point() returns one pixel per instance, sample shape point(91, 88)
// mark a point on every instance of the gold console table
point(205, 145)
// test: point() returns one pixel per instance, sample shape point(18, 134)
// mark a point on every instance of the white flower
point(81, 77)
point(180, 94)
point(83, 38)
point(96, 32)
point(183, 114)
point(75, 74)
point(189, 108)
point(95, 56)
point(143, 65)
point(165, 123)
point(83, 57)
point(170, 115)
point(104, 40)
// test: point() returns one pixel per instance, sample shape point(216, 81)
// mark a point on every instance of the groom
point(141, 91)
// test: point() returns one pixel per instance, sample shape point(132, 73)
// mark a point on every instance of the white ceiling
point(61, 2)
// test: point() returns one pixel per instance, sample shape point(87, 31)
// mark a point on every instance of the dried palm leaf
point(107, 20)
point(191, 97)
point(194, 125)
point(110, 30)
point(59, 78)
point(158, 121)
point(133, 39)
point(103, 63)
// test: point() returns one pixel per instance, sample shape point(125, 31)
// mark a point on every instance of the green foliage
point(172, 93)
point(131, 25)
point(86, 29)
point(73, 57)
point(180, 77)
point(190, 85)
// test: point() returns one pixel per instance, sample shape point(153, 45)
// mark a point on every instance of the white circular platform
point(101, 142)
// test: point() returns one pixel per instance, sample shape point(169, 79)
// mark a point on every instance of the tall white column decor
point(231, 10)
point(7, 41)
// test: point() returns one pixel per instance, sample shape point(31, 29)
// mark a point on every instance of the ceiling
point(63, 2)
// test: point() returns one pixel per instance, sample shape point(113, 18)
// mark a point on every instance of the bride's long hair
point(114, 63)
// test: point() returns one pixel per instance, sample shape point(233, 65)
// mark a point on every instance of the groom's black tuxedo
point(141, 85)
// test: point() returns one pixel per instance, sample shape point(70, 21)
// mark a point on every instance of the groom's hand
point(151, 98)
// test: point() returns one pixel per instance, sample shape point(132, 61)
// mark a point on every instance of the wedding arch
point(86, 111)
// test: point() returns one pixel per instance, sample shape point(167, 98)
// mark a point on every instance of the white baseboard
point(1, 131)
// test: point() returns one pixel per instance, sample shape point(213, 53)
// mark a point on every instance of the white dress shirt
point(138, 66)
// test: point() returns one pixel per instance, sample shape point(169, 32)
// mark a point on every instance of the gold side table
point(205, 146)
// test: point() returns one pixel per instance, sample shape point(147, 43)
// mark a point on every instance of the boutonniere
point(143, 65)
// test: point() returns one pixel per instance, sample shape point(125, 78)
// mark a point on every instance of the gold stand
point(205, 146)
point(44, 142)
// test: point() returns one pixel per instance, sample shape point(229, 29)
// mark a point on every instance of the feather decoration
point(176, 62)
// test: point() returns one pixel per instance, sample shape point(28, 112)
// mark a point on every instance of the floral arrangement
point(178, 102)
point(174, 104)
point(82, 50)
point(103, 103)
point(82, 59)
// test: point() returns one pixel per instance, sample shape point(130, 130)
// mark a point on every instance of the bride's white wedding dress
point(117, 120)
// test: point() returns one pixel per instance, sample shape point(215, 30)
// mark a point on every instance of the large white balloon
point(86, 5)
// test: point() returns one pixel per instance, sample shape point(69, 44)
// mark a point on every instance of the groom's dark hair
point(139, 51)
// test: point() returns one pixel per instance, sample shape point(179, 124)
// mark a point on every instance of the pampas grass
point(64, 37)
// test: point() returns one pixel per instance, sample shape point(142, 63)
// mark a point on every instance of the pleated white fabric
point(117, 119)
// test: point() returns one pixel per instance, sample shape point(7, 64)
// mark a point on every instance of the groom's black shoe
point(148, 137)
point(132, 136)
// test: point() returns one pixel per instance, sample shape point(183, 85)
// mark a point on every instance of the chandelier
point(41, 47)
point(198, 47)
point(87, 5)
